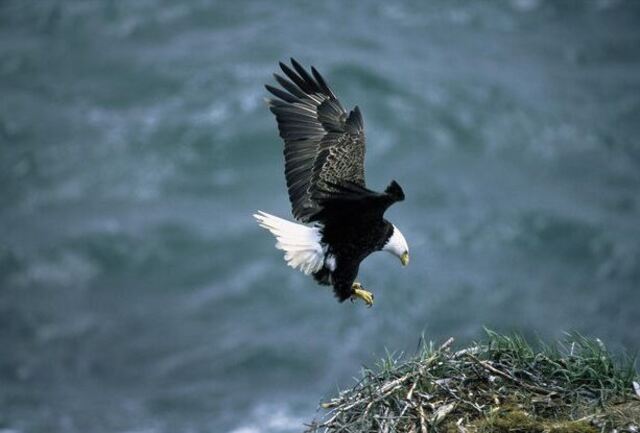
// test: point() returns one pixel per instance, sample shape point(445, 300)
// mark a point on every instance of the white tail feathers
point(301, 244)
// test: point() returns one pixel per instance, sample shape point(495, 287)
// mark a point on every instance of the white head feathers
point(397, 245)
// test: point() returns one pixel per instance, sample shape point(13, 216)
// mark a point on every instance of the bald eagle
point(341, 221)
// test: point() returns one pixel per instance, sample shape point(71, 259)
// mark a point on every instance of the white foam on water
point(271, 418)
point(68, 269)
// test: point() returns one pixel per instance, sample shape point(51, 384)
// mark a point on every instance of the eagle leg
point(359, 292)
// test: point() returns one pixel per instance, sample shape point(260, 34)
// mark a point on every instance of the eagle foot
point(359, 292)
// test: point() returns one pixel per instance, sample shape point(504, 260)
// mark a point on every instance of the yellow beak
point(404, 258)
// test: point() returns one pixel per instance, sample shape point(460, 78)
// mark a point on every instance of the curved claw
point(359, 292)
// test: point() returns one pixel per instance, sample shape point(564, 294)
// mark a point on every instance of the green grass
point(500, 384)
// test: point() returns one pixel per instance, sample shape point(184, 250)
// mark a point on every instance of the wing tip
point(294, 62)
point(355, 119)
point(394, 190)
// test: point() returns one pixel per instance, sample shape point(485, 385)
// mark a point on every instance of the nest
point(499, 385)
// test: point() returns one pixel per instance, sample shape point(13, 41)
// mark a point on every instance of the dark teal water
point(138, 295)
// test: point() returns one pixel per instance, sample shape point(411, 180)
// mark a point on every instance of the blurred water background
point(137, 294)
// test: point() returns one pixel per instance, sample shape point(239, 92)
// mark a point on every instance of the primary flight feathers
point(323, 143)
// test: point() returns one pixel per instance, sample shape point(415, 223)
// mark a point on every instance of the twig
point(423, 420)
point(507, 376)
point(413, 387)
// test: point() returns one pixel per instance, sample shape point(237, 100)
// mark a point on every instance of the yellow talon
point(359, 292)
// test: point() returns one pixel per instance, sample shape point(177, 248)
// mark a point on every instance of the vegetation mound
point(501, 384)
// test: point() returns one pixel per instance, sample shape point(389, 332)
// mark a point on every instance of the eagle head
point(397, 245)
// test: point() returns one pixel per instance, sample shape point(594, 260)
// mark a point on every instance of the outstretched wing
point(323, 144)
point(346, 200)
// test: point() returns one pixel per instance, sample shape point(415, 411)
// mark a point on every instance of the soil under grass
point(501, 384)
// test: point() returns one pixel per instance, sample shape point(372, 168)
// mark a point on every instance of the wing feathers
point(354, 121)
point(313, 86)
point(282, 94)
point(296, 79)
point(292, 88)
point(314, 125)
point(322, 83)
point(339, 201)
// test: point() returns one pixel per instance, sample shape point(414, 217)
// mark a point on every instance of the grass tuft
point(500, 384)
